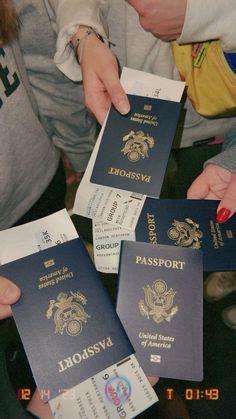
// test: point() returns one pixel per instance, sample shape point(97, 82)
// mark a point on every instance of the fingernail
point(11, 294)
point(123, 107)
point(223, 215)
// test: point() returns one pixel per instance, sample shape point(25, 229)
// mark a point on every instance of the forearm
point(99, 66)
point(69, 15)
point(210, 19)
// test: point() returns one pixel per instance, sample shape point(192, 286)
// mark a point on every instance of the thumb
point(9, 292)
point(116, 92)
point(227, 205)
point(199, 188)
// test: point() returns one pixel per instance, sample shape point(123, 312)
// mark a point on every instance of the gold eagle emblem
point(69, 313)
point(158, 302)
point(137, 145)
point(186, 233)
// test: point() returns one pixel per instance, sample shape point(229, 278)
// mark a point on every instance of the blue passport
point(190, 224)
point(160, 303)
point(135, 148)
point(67, 323)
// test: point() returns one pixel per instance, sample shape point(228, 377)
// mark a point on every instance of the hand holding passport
point(135, 148)
point(66, 320)
point(73, 337)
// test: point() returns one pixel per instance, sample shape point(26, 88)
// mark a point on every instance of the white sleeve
point(210, 19)
point(68, 15)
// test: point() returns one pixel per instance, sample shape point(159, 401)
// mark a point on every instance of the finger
point(212, 195)
point(9, 292)
point(101, 81)
point(153, 380)
point(199, 188)
point(98, 105)
point(5, 311)
point(116, 92)
point(227, 206)
point(38, 408)
point(96, 98)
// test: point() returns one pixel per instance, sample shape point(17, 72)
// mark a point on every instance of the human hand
point(38, 408)
point(163, 18)
point(100, 79)
point(153, 380)
point(215, 182)
point(9, 294)
point(72, 177)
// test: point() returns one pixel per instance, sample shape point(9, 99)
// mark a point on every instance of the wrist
point(80, 37)
point(78, 34)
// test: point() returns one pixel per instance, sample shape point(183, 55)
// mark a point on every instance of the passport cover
point(160, 303)
point(135, 148)
point(190, 223)
point(67, 323)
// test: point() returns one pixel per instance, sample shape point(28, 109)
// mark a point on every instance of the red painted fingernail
point(222, 215)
